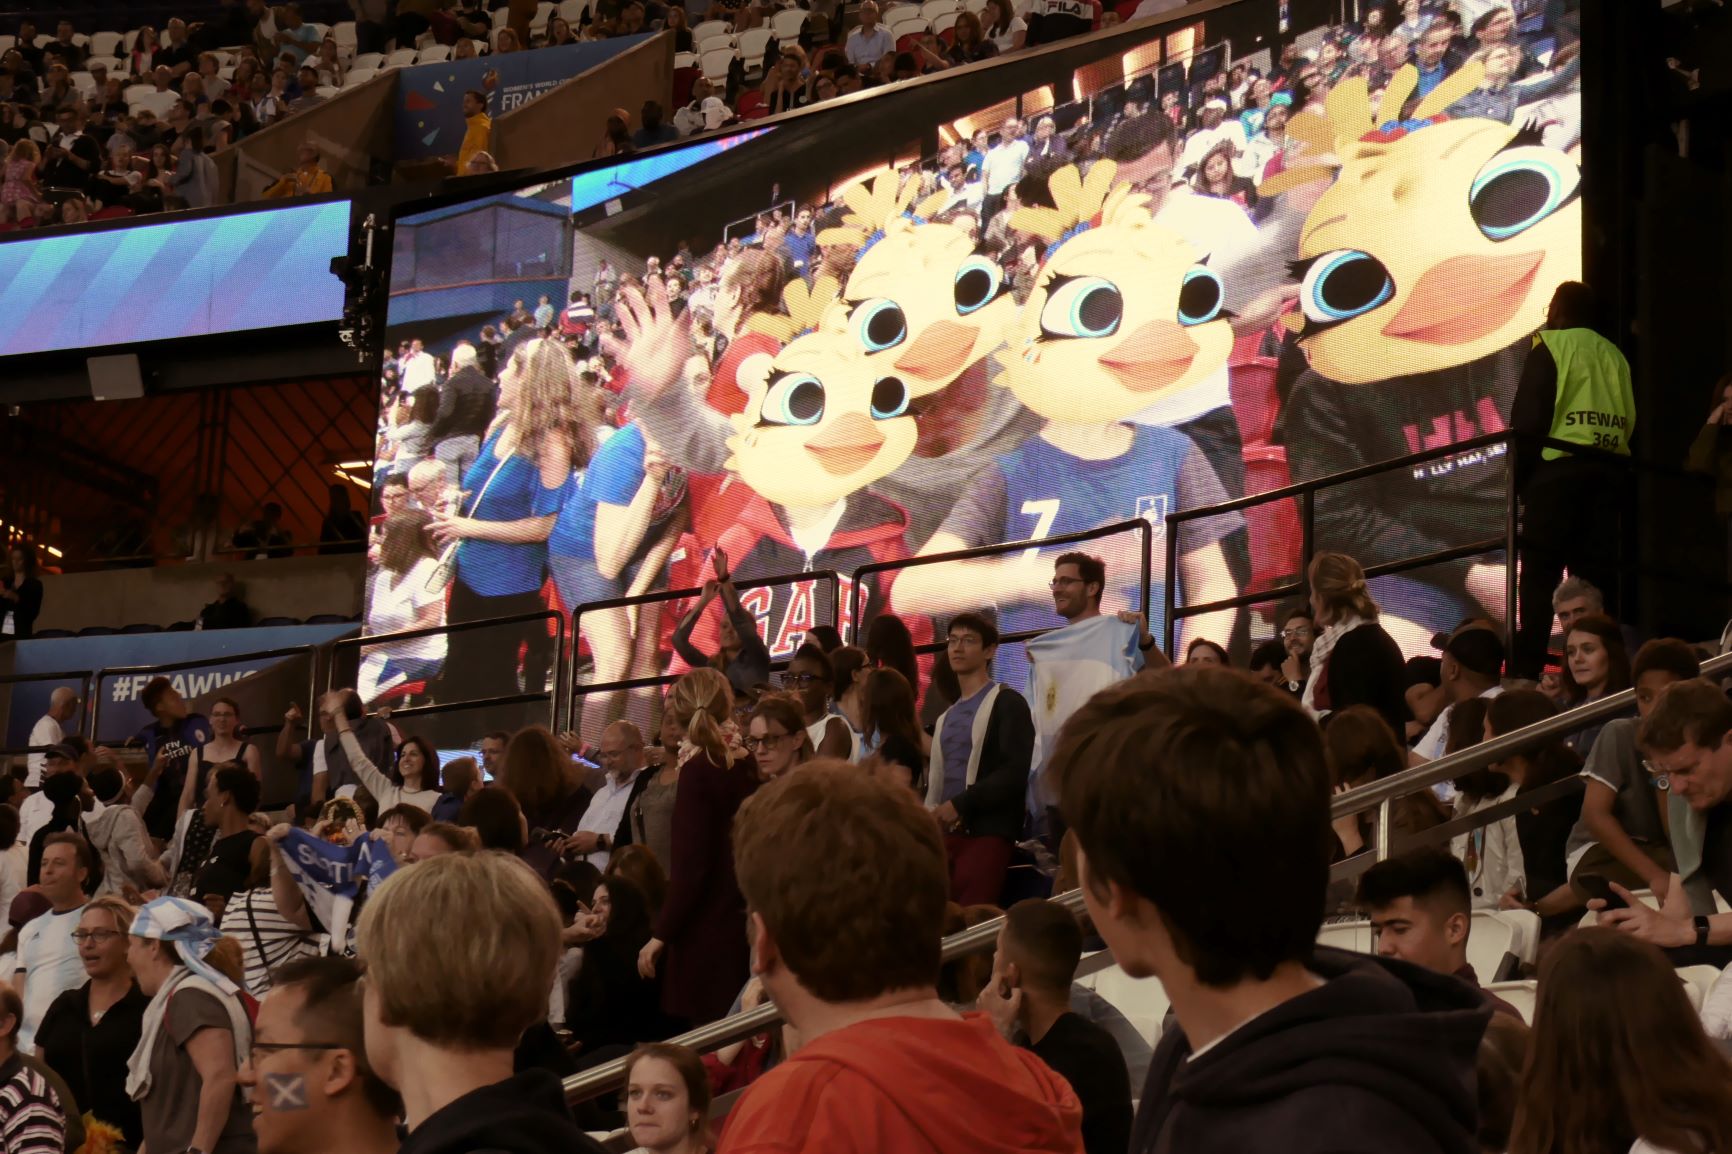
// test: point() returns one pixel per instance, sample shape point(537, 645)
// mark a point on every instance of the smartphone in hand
point(1598, 887)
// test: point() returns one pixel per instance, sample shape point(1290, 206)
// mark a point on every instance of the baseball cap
point(1220, 104)
point(715, 112)
point(61, 750)
point(1477, 651)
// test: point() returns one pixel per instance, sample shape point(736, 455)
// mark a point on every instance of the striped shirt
point(268, 940)
point(31, 1120)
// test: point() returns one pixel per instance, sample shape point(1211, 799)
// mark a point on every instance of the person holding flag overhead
point(183, 1072)
point(318, 882)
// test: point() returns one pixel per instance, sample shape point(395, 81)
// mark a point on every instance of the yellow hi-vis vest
point(1596, 406)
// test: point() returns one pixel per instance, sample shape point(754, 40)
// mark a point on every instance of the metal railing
point(1381, 795)
point(1377, 795)
point(94, 713)
point(1304, 493)
point(1136, 524)
point(553, 694)
point(579, 690)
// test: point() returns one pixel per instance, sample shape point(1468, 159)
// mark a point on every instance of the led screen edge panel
point(1021, 302)
point(167, 279)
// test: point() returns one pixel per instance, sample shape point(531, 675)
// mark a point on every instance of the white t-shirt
point(1156, 7)
point(1006, 40)
point(14, 870)
point(1003, 165)
point(1431, 745)
point(396, 602)
point(1202, 141)
point(48, 959)
point(46, 731)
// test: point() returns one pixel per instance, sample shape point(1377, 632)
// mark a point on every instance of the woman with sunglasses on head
point(88, 1033)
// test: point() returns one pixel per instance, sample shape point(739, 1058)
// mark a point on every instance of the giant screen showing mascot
point(1211, 259)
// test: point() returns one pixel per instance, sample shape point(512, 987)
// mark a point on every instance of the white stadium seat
point(1355, 936)
point(358, 76)
point(402, 58)
point(433, 53)
point(105, 43)
point(1521, 995)
point(754, 42)
point(933, 9)
point(708, 28)
point(787, 23)
point(716, 63)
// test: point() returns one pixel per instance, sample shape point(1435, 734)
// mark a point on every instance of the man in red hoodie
point(845, 879)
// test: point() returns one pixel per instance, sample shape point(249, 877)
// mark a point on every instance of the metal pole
point(1383, 829)
point(1169, 594)
point(1307, 533)
point(1511, 591)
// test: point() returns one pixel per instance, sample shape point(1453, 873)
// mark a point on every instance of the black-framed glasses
point(98, 936)
point(1061, 582)
point(766, 742)
point(1296, 631)
point(275, 1047)
point(962, 641)
point(800, 678)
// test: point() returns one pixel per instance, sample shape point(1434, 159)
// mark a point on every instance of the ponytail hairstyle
point(1338, 583)
point(702, 701)
point(846, 662)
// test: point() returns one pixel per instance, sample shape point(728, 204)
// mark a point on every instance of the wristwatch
point(1701, 930)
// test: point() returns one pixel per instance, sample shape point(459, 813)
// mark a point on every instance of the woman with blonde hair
point(1354, 660)
point(702, 924)
point(496, 541)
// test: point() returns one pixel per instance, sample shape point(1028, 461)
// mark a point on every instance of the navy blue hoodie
point(1380, 1058)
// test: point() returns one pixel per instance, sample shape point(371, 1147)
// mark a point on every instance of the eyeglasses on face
point(800, 678)
point(1295, 631)
point(1060, 582)
point(765, 742)
point(97, 936)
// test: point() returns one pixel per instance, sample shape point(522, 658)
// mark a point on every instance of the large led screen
point(1102, 284)
point(173, 279)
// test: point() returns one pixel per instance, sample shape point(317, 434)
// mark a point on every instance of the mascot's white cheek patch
point(286, 1091)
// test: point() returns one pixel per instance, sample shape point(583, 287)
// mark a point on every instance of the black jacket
point(1378, 1059)
point(993, 805)
point(1366, 668)
point(467, 402)
point(525, 1114)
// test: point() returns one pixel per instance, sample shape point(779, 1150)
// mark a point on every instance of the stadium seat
point(1698, 980)
point(265, 622)
point(705, 29)
point(1256, 404)
point(1276, 535)
point(713, 41)
point(402, 58)
point(179, 627)
point(369, 60)
point(685, 78)
point(358, 76)
point(787, 24)
point(344, 34)
point(1521, 995)
point(1489, 944)
point(50, 634)
point(751, 105)
point(98, 631)
point(7, 42)
point(104, 43)
point(141, 627)
point(501, 17)
point(134, 92)
point(716, 62)
point(161, 103)
point(129, 41)
point(1525, 932)
point(933, 9)
point(1127, 10)
point(1143, 1001)
point(323, 30)
point(326, 91)
point(896, 13)
point(753, 43)
point(84, 82)
point(543, 13)
point(908, 26)
point(432, 53)
point(1355, 936)
point(570, 11)
point(115, 65)
point(944, 22)
point(685, 60)
point(328, 619)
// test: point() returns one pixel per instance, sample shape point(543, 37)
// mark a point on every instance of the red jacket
point(908, 1086)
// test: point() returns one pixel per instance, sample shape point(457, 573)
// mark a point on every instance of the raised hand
point(656, 343)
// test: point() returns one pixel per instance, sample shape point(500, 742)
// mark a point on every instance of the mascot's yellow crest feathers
point(804, 309)
point(880, 205)
point(1078, 200)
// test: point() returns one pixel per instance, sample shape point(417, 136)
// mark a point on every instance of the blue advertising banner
point(122, 714)
point(430, 96)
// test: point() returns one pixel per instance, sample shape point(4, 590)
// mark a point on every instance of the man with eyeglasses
point(623, 758)
point(1298, 634)
point(981, 750)
point(311, 1087)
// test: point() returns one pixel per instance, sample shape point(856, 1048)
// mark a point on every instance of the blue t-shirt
point(176, 742)
point(1049, 492)
point(957, 741)
point(613, 477)
point(498, 568)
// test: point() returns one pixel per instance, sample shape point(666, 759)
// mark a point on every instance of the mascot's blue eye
point(1200, 297)
point(978, 282)
point(879, 324)
point(1344, 284)
point(795, 399)
point(889, 398)
point(1520, 188)
point(1085, 306)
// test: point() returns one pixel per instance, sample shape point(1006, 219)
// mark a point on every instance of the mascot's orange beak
point(941, 351)
point(1466, 298)
point(846, 446)
point(1152, 357)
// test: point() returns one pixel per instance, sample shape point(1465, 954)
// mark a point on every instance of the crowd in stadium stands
point(808, 842)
